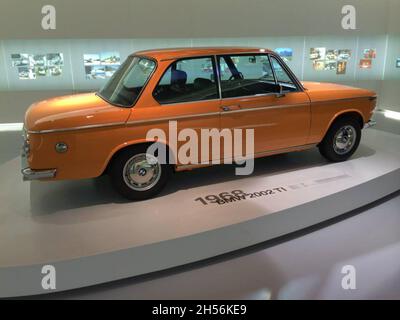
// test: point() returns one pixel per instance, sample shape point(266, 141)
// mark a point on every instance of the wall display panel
point(3, 71)
point(34, 66)
point(94, 61)
point(330, 58)
point(101, 65)
point(334, 60)
point(38, 64)
point(370, 57)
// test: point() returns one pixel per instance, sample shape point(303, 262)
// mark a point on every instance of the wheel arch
point(350, 113)
point(132, 144)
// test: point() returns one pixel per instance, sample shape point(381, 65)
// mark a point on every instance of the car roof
point(176, 53)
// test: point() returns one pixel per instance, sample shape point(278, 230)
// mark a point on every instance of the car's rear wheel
point(138, 175)
point(341, 140)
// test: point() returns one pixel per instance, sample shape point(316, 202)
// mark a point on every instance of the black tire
point(327, 146)
point(116, 173)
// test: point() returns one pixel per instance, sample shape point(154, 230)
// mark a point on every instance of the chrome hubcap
point(344, 139)
point(142, 172)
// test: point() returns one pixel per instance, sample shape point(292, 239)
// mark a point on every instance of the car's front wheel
point(138, 175)
point(341, 140)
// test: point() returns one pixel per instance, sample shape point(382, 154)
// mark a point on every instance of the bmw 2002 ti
point(86, 135)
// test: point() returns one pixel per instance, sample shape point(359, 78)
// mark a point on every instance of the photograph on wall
point(55, 71)
point(91, 59)
point(26, 73)
point(285, 53)
point(368, 56)
point(330, 65)
point(110, 70)
point(110, 58)
point(328, 59)
point(33, 66)
point(344, 54)
point(101, 65)
point(20, 59)
point(398, 63)
point(54, 59)
point(319, 65)
point(365, 64)
point(317, 53)
point(95, 72)
point(39, 60)
point(332, 55)
point(369, 53)
point(341, 67)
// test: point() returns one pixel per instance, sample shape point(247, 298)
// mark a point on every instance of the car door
point(187, 95)
point(252, 99)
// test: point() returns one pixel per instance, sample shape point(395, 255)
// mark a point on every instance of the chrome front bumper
point(369, 124)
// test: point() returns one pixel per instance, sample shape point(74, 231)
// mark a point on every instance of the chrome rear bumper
point(29, 174)
point(369, 124)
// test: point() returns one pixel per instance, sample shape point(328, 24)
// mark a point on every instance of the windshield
point(125, 85)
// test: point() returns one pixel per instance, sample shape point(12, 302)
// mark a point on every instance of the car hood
point(73, 111)
point(322, 91)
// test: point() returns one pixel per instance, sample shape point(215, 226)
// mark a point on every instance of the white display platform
point(91, 235)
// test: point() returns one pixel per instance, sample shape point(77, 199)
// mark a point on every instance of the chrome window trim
point(143, 88)
point(289, 71)
point(211, 57)
point(251, 96)
point(257, 51)
point(218, 72)
point(273, 70)
point(296, 82)
point(196, 101)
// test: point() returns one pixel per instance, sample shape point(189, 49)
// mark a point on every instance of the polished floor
point(306, 265)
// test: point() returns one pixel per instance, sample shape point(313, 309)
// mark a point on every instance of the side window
point(282, 77)
point(187, 80)
point(246, 75)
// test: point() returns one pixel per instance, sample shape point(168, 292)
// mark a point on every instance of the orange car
point(86, 135)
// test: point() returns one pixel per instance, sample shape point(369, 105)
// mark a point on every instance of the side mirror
point(280, 93)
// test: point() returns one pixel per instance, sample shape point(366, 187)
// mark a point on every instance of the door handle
point(230, 108)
